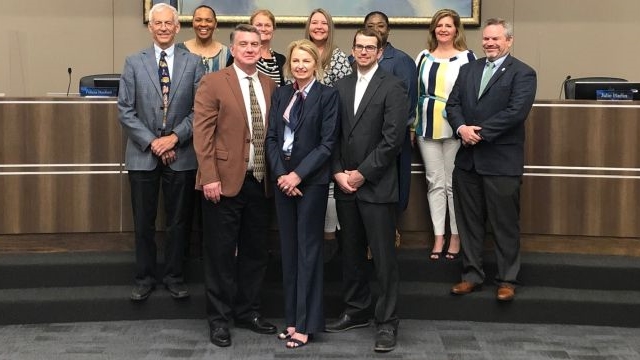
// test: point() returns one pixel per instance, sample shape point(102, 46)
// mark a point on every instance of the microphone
point(69, 85)
point(562, 86)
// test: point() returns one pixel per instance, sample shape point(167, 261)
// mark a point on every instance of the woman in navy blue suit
point(303, 124)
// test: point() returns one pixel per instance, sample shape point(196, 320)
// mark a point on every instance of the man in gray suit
point(487, 108)
point(374, 111)
point(155, 105)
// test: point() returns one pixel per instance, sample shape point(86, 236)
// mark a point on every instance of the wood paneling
point(60, 166)
point(582, 179)
point(582, 175)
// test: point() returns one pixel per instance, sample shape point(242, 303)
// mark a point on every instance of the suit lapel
point(350, 97)
point(372, 87)
point(498, 73)
point(310, 101)
point(233, 83)
point(284, 102)
point(179, 65)
point(150, 64)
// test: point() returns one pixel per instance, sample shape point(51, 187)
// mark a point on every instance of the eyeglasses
point(368, 48)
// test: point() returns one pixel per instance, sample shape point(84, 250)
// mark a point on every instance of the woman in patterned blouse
point(438, 68)
point(334, 61)
point(335, 64)
point(215, 55)
point(270, 62)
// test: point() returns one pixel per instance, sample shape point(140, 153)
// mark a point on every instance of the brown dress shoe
point(464, 287)
point(506, 292)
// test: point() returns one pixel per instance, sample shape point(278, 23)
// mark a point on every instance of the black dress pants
point(233, 283)
point(369, 224)
point(178, 192)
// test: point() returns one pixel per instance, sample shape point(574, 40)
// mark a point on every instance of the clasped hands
point(288, 184)
point(349, 181)
point(470, 134)
point(163, 147)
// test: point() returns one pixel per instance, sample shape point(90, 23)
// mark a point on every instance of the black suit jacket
point(314, 138)
point(370, 140)
point(501, 111)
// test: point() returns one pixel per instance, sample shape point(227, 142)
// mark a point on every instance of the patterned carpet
point(188, 339)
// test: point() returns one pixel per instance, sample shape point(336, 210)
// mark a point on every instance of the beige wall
point(39, 40)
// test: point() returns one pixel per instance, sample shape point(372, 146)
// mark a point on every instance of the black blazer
point(370, 140)
point(314, 138)
point(501, 111)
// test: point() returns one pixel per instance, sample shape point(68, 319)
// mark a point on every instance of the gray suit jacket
point(140, 108)
point(370, 140)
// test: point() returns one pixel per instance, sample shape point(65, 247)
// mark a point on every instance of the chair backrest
point(570, 85)
point(89, 80)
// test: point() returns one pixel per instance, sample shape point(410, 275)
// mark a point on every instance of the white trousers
point(438, 157)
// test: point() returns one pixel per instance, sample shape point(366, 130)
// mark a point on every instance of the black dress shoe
point(219, 335)
point(345, 322)
point(385, 339)
point(141, 292)
point(177, 290)
point(258, 325)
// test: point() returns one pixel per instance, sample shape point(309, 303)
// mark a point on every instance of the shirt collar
point(369, 73)
point(498, 62)
point(169, 51)
point(306, 89)
point(241, 74)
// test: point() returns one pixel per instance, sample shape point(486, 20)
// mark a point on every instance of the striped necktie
point(257, 133)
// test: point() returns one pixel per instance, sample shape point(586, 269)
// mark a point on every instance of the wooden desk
point(61, 166)
point(582, 169)
point(61, 170)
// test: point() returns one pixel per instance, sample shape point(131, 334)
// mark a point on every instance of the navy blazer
point(314, 138)
point(370, 140)
point(501, 111)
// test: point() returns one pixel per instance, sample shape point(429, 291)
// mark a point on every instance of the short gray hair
point(243, 28)
point(508, 28)
point(162, 6)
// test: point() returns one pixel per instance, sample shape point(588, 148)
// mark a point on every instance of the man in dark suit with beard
point(374, 111)
point(487, 108)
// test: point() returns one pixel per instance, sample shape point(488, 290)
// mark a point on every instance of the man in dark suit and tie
point(231, 108)
point(487, 108)
point(155, 105)
point(374, 111)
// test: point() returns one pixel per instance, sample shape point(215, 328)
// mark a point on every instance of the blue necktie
point(296, 111)
point(165, 86)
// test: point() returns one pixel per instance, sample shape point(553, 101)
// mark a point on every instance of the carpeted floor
point(418, 339)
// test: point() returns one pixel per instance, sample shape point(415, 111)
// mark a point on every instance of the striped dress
point(436, 78)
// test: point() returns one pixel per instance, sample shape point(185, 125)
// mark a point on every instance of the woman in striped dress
point(270, 62)
point(438, 68)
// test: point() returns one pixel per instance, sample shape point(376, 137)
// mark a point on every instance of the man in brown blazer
point(230, 115)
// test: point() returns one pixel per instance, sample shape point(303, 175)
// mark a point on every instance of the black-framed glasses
point(368, 48)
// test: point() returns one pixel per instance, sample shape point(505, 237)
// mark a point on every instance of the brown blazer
point(221, 135)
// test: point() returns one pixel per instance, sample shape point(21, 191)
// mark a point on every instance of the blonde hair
point(460, 42)
point(308, 47)
point(325, 59)
point(266, 13)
